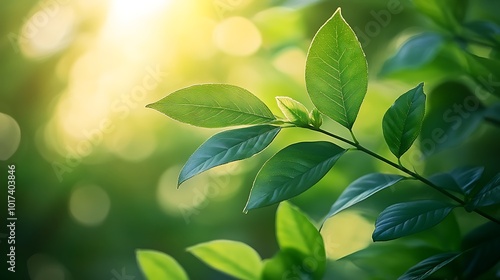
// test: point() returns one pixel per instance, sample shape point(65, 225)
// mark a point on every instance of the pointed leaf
point(214, 105)
point(460, 180)
point(315, 118)
point(427, 267)
point(363, 188)
point(228, 146)
point(489, 194)
point(292, 171)
point(336, 71)
point(294, 111)
point(234, 258)
point(295, 231)
point(403, 121)
point(157, 265)
point(407, 218)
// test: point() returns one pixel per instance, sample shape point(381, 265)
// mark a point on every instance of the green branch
point(405, 170)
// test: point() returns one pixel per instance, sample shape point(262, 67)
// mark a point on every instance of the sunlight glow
point(237, 36)
point(89, 205)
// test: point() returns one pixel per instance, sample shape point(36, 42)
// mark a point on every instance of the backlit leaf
point(214, 105)
point(336, 71)
point(234, 258)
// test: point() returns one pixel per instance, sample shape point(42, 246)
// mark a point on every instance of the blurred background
point(97, 171)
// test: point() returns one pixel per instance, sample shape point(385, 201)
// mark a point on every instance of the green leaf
point(407, 218)
point(294, 111)
point(403, 121)
point(228, 146)
point(418, 51)
point(488, 195)
point(363, 188)
point(454, 114)
point(157, 265)
point(214, 105)
point(292, 171)
point(295, 231)
point(485, 72)
point(461, 180)
point(287, 264)
point(427, 267)
point(234, 258)
point(445, 13)
point(492, 114)
point(336, 71)
point(315, 118)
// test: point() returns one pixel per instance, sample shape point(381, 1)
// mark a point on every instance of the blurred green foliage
point(97, 172)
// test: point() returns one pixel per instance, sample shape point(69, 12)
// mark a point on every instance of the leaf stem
point(405, 170)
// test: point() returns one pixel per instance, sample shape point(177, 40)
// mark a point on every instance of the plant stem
point(405, 170)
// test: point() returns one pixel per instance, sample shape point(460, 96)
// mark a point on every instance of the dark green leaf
point(486, 73)
point(295, 231)
point(157, 265)
point(234, 258)
point(403, 121)
point(460, 180)
point(427, 267)
point(485, 29)
point(363, 188)
point(481, 247)
point(445, 13)
point(214, 105)
point(492, 114)
point(294, 111)
point(228, 146)
point(414, 53)
point(454, 114)
point(489, 194)
point(406, 218)
point(336, 71)
point(292, 171)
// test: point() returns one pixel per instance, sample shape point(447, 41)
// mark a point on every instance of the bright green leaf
point(363, 188)
point(156, 265)
point(234, 258)
point(403, 121)
point(407, 218)
point(228, 146)
point(295, 231)
point(336, 71)
point(292, 171)
point(418, 51)
point(460, 180)
point(427, 267)
point(214, 105)
point(489, 194)
point(315, 118)
point(294, 111)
